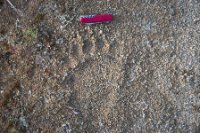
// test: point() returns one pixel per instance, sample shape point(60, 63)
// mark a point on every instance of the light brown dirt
point(139, 73)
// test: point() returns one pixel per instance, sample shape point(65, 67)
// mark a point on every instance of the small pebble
point(100, 32)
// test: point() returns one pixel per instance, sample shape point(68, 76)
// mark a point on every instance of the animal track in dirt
point(99, 44)
point(82, 48)
point(76, 51)
point(87, 46)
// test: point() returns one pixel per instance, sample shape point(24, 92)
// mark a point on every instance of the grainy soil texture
point(137, 74)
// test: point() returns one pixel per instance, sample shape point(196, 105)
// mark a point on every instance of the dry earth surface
point(138, 74)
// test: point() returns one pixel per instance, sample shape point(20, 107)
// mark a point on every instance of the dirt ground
point(137, 74)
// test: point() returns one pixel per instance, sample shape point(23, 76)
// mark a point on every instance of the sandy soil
point(140, 73)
